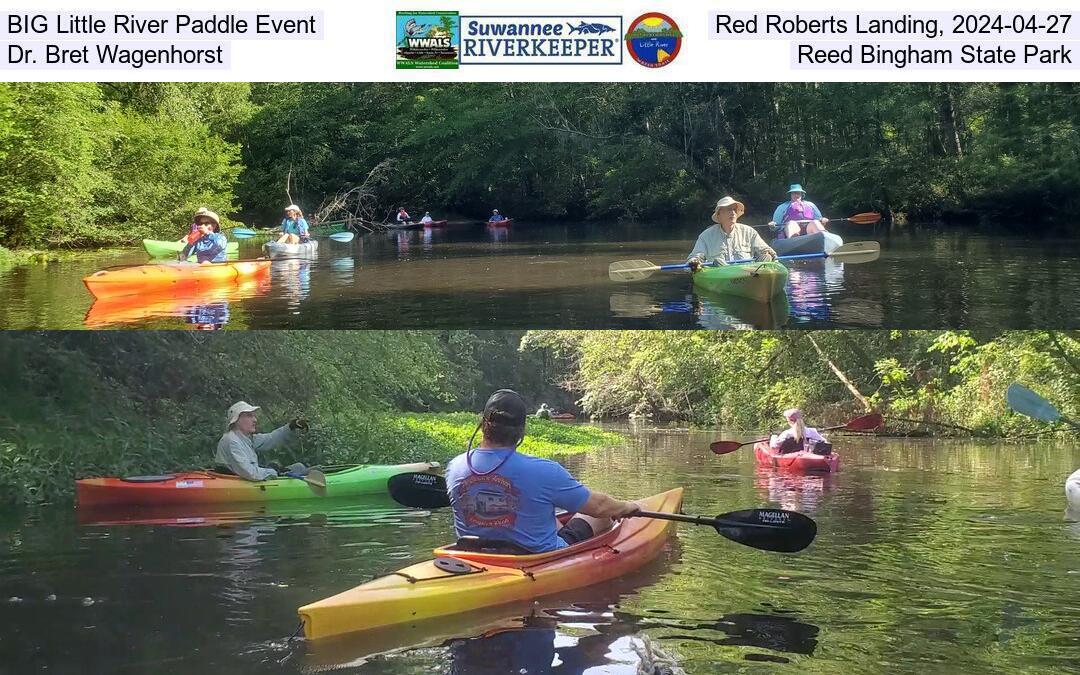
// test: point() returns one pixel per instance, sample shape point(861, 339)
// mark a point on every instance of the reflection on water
point(200, 308)
point(555, 276)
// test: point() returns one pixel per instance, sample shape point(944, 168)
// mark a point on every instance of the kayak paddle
point(765, 529)
point(864, 423)
point(1024, 401)
point(636, 270)
point(868, 218)
point(344, 237)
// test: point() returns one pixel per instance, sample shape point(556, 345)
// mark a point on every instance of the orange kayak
point(460, 581)
point(210, 487)
point(121, 309)
point(155, 278)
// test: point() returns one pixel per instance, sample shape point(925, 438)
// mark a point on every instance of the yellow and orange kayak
point(155, 278)
point(460, 581)
point(122, 309)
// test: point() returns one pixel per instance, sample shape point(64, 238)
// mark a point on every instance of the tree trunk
point(840, 375)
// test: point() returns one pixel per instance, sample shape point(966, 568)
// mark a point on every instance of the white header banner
point(553, 41)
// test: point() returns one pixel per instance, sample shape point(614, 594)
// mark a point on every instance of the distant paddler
point(294, 229)
point(427, 219)
point(728, 239)
point(403, 216)
point(496, 217)
point(211, 244)
point(795, 210)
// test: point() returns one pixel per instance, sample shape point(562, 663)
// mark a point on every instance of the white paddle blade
point(858, 252)
point(1024, 401)
point(631, 270)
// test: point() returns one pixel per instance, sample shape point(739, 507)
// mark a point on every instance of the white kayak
point(277, 250)
point(1072, 490)
point(819, 242)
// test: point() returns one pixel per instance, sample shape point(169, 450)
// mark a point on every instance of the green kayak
point(759, 281)
point(209, 487)
point(169, 249)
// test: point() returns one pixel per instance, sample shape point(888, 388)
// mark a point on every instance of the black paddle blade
point(768, 529)
point(419, 490)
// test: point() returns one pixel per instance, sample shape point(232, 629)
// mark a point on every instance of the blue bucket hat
point(795, 187)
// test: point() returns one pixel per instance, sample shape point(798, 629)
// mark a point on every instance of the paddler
point(236, 449)
point(193, 232)
point(427, 219)
point(294, 229)
point(798, 437)
point(500, 494)
point(544, 412)
point(728, 239)
point(496, 217)
point(211, 244)
point(796, 209)
point(403, 215)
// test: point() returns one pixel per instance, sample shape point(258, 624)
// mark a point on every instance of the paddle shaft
point(703, 520)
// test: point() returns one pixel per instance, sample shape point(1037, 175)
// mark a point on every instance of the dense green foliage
point(745, 380)
point(85, 164)
point(90, 164)
point(81, 404)
point(77, 404)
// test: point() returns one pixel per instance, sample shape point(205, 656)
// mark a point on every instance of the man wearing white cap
point(237, 448)
point(729, 239)
point(294, 229)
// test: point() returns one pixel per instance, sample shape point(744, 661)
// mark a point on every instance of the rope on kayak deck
point(654, 660)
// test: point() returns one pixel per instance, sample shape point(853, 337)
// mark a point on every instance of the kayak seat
point(822, 448)
point(476, 544)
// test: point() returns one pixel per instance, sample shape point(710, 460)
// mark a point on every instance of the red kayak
point(500, 223)
point(798, 462)
point(436, 223)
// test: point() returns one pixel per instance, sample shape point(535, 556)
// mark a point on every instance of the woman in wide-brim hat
point(210, 246)
point(729, 239)
point(797, 216)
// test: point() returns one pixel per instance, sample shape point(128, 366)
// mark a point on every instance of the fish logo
point(590, 28)
point(654, 40)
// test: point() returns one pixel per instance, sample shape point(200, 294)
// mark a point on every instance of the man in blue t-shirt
point(499, 493)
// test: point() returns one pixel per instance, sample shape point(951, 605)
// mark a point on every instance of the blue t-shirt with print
point(515, 502)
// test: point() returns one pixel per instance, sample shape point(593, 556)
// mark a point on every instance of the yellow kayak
point(460, 581)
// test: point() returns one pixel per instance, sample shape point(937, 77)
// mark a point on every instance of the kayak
point(819, 242)
point(759, 281)
point(801, 462)
point(404, 226)
point(565, 417)
point(427, 590)
point(168, 249)
point(435, 223)
point(157, 277)
point(1072, 490)
point(210, 487)
point(278, 250)
point(351, 509)
point(500, 223)
point(123, 309)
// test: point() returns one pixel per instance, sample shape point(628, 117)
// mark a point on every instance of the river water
point(555, 276)
point(931, 557)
